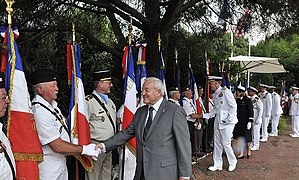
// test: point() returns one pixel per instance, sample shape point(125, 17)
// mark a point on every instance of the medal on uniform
point(220, 94)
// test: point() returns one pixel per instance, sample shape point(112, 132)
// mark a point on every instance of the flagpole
point(130, 45)
point(75, 84)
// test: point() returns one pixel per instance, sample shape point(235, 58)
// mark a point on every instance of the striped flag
point(141, 69)
point(207, 93)
point(129, 111)
point(193, 87)
point(162, 72)
point(21, 129)
point(77, 121)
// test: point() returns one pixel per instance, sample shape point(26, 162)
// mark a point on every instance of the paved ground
point(277, 159)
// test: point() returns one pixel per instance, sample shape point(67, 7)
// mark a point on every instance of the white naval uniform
point(50, 129)
point(276, 112)
point(225, 113)
point(5, 170)
point(257, 120)
point(294, 113)
point(267, 107)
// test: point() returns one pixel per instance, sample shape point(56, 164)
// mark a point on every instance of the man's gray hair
point(158, 84)
point(171, 93)
point(35, 87)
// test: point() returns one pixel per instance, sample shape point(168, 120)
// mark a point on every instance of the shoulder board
point(256, 97)
point(224, 88)
point(88, 97)
point(267, 93)
point(274, 94)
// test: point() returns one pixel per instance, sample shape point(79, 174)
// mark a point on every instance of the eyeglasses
point(5, 98)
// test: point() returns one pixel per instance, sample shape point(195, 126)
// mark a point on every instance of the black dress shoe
point(241, 157)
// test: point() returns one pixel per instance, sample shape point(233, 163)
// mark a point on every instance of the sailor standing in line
point(294, 112)
point(267, 108)
point(257, 117)
point(276, 111)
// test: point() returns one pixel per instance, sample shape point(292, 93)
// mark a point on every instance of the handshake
point(93, 150)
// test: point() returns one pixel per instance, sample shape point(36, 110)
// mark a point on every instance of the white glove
point(248, 125)
point(89, 150)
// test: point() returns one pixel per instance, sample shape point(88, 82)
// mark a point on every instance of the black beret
point(186, 89)
point(43, 75)
point(174, 88)
point(2, 79)
point(101, 75)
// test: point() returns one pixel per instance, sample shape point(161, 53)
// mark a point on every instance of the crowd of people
point(169, 134)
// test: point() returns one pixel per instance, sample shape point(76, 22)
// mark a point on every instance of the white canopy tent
point(253, 64)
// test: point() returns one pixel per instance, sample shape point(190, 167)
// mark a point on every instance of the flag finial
point(74, 31)
point(176, 54)
point(9, 9)
point(159, 42)
point(130, 31)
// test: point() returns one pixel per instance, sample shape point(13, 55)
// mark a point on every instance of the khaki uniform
point(101, 129)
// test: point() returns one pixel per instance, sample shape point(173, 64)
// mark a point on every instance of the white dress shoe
point(273, 134)
point(263, 140)
point(254, 148)
point(294, 135)
point(213, 168)
point(232, 167)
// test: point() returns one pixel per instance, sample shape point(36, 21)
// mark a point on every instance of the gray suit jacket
point(166, 151)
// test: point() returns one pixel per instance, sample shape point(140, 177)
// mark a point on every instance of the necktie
point(149, 122)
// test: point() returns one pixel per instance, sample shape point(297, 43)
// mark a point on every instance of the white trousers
point(275, 122)
point(222, 141)
point(256, 134)
point(295, 125)
point(265, 123)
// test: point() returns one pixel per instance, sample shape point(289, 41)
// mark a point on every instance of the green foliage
point(287, 50)
point(282, 123)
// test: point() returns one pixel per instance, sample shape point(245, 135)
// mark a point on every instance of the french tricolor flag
point(78, 122)
point(21, 129)
point(129, 159)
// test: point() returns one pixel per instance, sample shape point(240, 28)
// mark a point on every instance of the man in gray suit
point(163, 149)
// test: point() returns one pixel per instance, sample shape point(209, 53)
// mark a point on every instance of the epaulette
point(88, 97)
point(267, 93)
point(224, 88)
point(256, 97)
point(274, 94)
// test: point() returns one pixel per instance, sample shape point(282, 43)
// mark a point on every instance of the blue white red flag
point(130, 106)
point(78, 121)
point(193, 87)
point(141, 74)
point(20, 123)
point(162, 72)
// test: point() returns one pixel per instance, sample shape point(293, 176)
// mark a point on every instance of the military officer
point(51, 128)
point(257, 117)
point(276, 111)
point(7, 161)
point(294, 112)
point(225, 113)
point(174, 95)
point(267, 105)
point(102, 119)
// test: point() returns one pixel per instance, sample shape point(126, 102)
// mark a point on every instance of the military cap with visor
point(102, 75)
